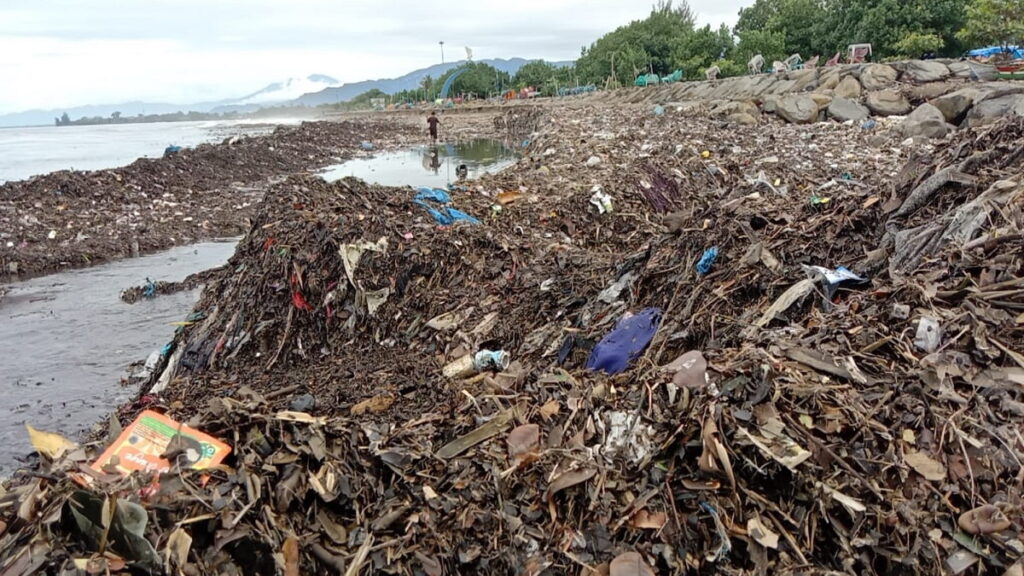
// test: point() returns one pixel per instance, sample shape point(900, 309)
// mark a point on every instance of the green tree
point(115, 115)
point(699, 49)
point(770, 45)
point(915, 44)
point(994, 22)
point(640, 46)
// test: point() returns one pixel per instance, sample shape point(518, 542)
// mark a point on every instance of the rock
point(922, 71)
point(991, 109)
point(798, 109)
point(930, 91)
point(736, 107)
point(770, 104)
point(822, 100)
point(956, 104)
point(593, 161)
point(304, 403)
point(828, 80)
point(959, 69)
point(742, 119)
point(877, 76)
point(887, 103)
point(844, 110)
point(927, 121)
point(848, 88)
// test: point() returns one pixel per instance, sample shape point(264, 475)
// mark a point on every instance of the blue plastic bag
point(707, 260)
point(625, 343)
point(442, 214)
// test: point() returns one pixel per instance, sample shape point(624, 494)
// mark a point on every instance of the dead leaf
point(485, 432)
point(48, 444)
point(629, 564)
point(291, 556)
point(645, 520)
point(524, 443)
point(431, 565)
point(870, 202)
point(987, 519)
point(178, 545)
point(761, 534)
point(715, 458)
point(852, 504)
point(566, 480)
point(689, 370)
point(787, 299)
point(374, 405)
point(926, 466)
point(300, 417)
point(549, 409)
point(509, 197)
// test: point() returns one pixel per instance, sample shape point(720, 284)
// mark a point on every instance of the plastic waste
point(707, 261)
point(443, 214)
point(869, 124)
point(601, 200)
point(365, 145)
point(150, 290)
point(482, 361)
point(832, 280)
point(172, 149)
point(626, 342)
point(659, 110)
point(929, 334)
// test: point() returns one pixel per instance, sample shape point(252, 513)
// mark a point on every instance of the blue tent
point(1015, 51)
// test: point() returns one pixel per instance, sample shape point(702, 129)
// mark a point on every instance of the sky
point(62, 53)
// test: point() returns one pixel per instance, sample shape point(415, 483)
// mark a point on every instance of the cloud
point(69, 52)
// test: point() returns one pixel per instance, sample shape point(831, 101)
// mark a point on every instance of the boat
point(1010, 70)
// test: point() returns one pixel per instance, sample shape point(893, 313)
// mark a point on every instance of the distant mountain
point(313, 90)
point(410, 81)
point(290, 89)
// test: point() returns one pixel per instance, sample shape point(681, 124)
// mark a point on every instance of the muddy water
point(433, 166)
point(66, 340)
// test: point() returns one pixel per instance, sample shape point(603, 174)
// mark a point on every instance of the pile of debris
point(652, 363)
point(73, 218)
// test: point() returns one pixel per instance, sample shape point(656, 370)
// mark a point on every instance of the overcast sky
point(62, 53)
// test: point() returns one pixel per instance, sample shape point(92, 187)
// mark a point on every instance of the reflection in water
point(435, 166)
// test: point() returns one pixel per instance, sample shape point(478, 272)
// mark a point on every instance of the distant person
point(432, 123)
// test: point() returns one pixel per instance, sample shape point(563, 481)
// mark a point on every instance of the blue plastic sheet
point(707, 260)
point(625, 343)
point(442, 213)
point(1015, 51)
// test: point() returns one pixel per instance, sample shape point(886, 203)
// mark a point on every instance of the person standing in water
point(432, 122)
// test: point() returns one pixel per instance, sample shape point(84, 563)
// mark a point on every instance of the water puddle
point(434, 166)
point(66, 340)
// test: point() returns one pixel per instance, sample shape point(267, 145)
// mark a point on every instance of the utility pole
point(442, 51)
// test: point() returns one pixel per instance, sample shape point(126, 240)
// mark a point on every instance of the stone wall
point(934, 96)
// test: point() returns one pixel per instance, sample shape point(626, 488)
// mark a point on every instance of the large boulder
point(991, 109)
point(887, 103)
point(822, 100)
point(797, 108)
point(844, 110)
point(956, 104)
point(770, 104)
point(922, 71)
point(925, 122)
point(848, 88)
point(930, 91)
point(877, 76)
point(959, 69)
point(742, 118)
point(736, 107)
point(828, 79)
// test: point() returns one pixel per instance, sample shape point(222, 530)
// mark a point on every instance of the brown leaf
point(509, 197)
point(762, 534)
point(523, 443)
point(431, 565)
point(690, 370)
point(629, 564)
point(178, 545)
point(987, 519)
point(374, 405)
point(549, 409)
point(645, 520)
point(484, 432)
point(715, 457)
point(291, 556)
point(926, 466)
point(566, 480)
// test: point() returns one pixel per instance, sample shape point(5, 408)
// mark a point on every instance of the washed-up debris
point(734, 426)
point(152, 289)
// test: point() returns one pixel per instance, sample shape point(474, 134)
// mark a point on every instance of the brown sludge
point(834, 430)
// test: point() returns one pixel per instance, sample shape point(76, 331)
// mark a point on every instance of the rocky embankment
point(935, 97)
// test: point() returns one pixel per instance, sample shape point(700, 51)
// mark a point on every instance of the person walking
point(432, 122)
